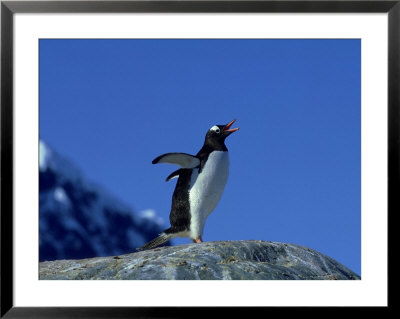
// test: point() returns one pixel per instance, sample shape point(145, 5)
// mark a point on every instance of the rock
point(252, 259)
point(81, 219)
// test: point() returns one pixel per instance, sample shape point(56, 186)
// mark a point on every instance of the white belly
point(206, 190)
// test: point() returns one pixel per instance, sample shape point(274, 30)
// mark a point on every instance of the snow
point(85, 214)
point(151, 215)
point(61, 196)
point(44, 155)
point(49, 159)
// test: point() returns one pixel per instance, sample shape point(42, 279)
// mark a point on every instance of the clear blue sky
point(111, 106)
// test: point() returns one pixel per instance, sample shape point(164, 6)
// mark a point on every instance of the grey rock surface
point(224, 260)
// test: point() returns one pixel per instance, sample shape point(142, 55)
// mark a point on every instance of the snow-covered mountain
point(79, 219)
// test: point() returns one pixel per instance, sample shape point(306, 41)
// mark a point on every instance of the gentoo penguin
point(201, 182)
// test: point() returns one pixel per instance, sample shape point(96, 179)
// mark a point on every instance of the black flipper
point(181, 159)
point(173, 175)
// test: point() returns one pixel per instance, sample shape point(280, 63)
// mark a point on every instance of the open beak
point(228, 128)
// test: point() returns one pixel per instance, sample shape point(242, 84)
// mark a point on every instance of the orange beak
point(228, 128)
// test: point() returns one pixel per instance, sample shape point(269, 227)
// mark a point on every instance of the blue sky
point(111, 106)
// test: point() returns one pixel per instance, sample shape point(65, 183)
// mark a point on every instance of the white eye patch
point(215, 128)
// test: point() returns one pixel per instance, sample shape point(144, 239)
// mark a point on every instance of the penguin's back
point(180, 209)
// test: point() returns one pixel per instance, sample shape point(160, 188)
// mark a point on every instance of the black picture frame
point(9, 8)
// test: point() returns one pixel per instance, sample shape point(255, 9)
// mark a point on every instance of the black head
point(215, 137)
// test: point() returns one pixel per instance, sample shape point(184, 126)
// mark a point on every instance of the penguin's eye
point(215, 129)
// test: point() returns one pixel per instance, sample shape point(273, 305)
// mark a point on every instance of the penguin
point(201, 182)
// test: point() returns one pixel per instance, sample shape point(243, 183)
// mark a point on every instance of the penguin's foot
point(198, 240)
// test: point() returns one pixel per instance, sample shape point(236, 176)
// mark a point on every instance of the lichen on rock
point(226, 260)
